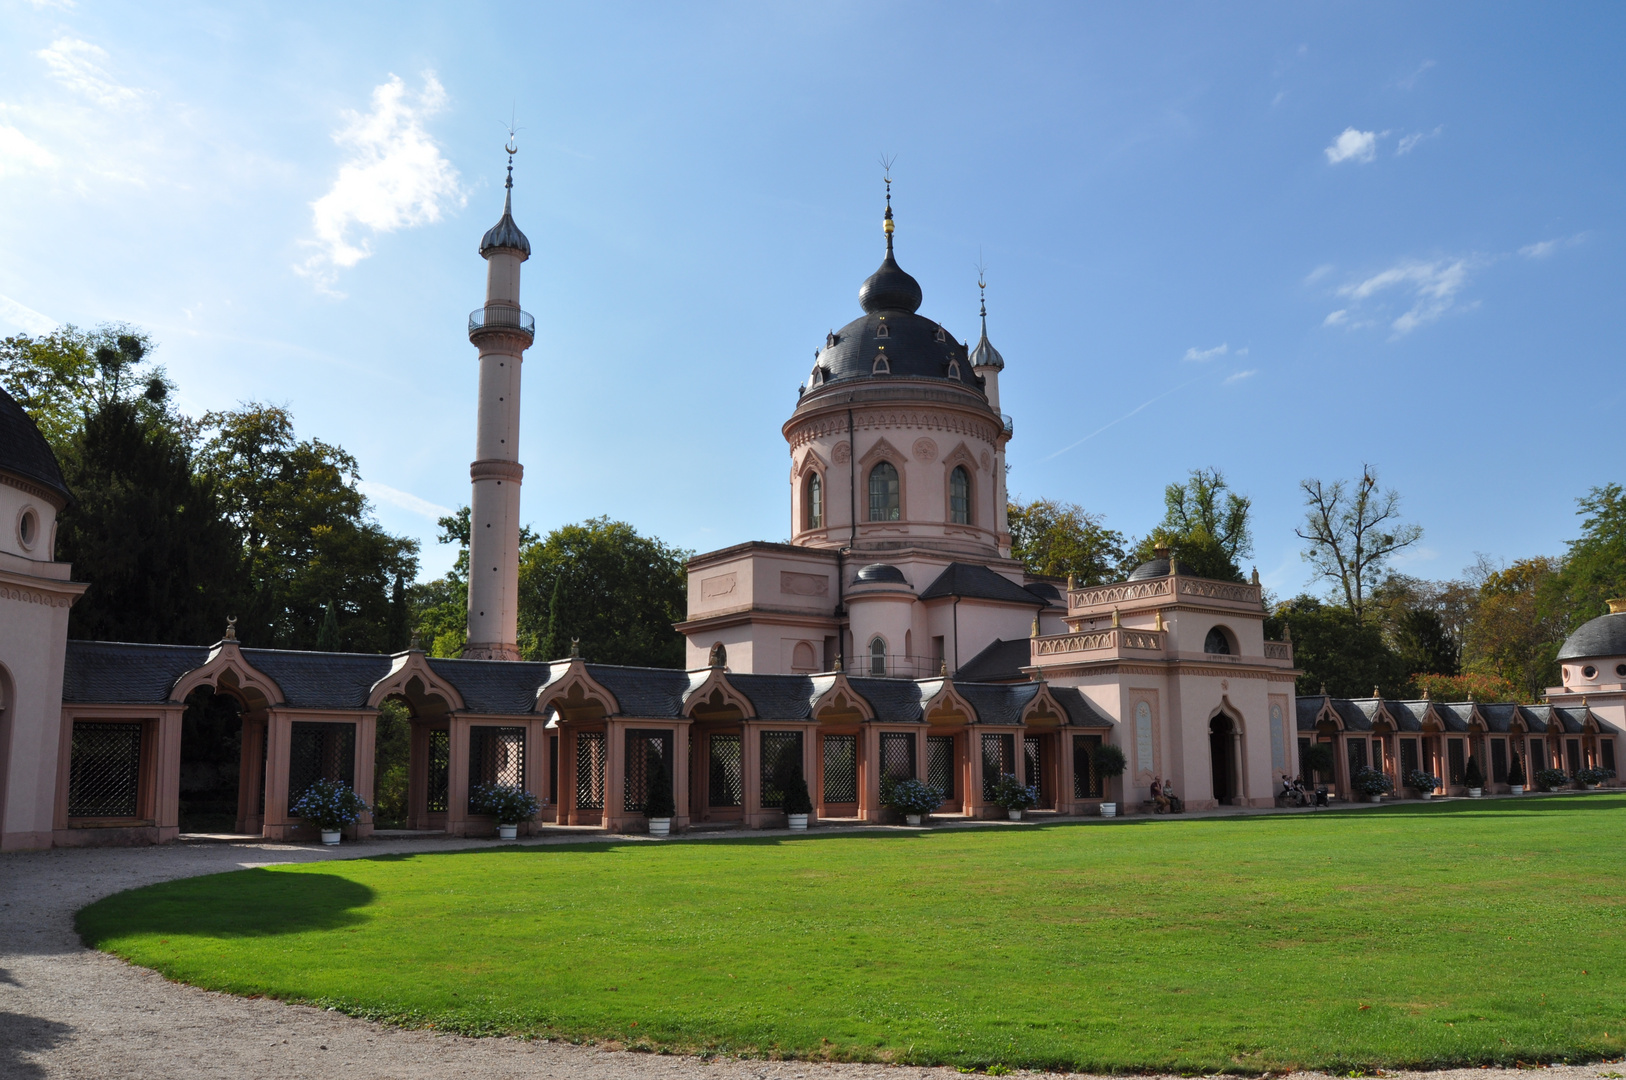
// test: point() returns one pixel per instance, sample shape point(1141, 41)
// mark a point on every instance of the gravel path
point(66, 1011)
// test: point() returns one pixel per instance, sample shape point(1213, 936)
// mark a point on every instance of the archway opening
point(1221, 736)
point(211, 762)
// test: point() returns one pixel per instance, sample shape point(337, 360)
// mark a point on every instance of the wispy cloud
point(1543, 248)
point(25, 318)
point(1318, 273)
point(1431, 287)
point(1354, 145)
point(1238, 376)
point(395, 178)
point(1410, 81)
point(20, 154)
point(1409, 142)
point(403, 499)
point(80, 66)
point(1201, 356)
point(1114, 423)
point(63, 5)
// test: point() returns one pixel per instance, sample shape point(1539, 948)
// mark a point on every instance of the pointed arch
point(229, 673)
point(712, 697)
point(839, 702)
point(574, 694)
point(1044, 710)
point(947, 707)
point(411, 678)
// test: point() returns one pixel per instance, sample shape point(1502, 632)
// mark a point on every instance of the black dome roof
point(890, 288)
point(878, 572)
point(1159, 567)
point(24, 451)
point(1603, 636)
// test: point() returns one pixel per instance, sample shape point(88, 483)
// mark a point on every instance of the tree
point(1423, 621)
point(1594, 569)
point(1353, 530)
point(61, 378)
point(617, 591)
point(1516, 631)
point(307, 533)
point(1056, 539)
point(1205, 526)
point(1333, 648)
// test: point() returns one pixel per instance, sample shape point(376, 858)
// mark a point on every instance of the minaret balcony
point(501, 319)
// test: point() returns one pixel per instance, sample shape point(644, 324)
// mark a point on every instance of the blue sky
point(1282, 240)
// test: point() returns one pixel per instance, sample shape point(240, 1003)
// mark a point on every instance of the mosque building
point(893, 636)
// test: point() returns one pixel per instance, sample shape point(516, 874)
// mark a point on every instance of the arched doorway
point(1221, 740)
point(211, 762)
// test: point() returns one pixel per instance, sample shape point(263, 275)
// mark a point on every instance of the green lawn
point(1412, 935)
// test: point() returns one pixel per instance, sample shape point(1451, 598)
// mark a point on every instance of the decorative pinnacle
point(231, 628)
point(886, 222)
point(512, 146)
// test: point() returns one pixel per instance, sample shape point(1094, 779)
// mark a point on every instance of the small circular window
point(28, 528)
point(1589, 672)
point(1620, 669)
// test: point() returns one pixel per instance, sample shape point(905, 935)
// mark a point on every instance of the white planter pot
point(911, 819)
point(797, 821)
point(1428, 794)
point(660, 826)
point(1474, 793)
point(330, 837)
point(1588, 787)
point(1109, 809)
point(1016, 815)
point(1374, 798)
point(507, 832)
point(1517, 789)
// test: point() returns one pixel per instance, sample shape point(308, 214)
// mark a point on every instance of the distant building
point(894, 636)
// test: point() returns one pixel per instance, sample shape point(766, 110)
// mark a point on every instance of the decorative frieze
point(1117, 594)
point(32, 596)
point(1278, 650)
point(1219, 590)
point(1115, 638)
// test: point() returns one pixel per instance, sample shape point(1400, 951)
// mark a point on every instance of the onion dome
point(1603, 636)
point(505, 235)
point(985, 355)
point(879, 573)
point(25, 454)
point(890, 288)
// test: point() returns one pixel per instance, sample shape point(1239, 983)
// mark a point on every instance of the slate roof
point(1155, 568)
point(1358, 714)
point(999, 662)
point(321, 680)
point(24, 451)
point(1308, 709)
point(1046, 592)
point(974, 582)
point(1603, 636)
point(116, 672)
point(495, 686)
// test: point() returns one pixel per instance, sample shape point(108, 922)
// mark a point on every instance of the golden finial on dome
point(886, 222)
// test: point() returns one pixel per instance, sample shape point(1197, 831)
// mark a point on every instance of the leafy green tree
point(438, 610)
point(1205, 526)
point(1334, 648)
point(1423, 621)
point(602, 582)
point(63, 377)
point(1516, 630)
point(1594, 569)
point(1055, 539)
point(1353, 530)
point(307, 532)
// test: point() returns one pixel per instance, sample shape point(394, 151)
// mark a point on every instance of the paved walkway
point(66, 1011)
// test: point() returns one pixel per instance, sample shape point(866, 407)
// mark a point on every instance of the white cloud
point(1242, 351)
point(64, 5)
point(1411, 80)
point(395, 177)
point(1240, 375)
point(19, 153)
point(1318, 273)
point(25, 318)
point(78, 65)
point(1203, 355)
point(1409, 142)
point(1544, 248)
point(404, 499)
point(1433, 288)
point(1352, 145)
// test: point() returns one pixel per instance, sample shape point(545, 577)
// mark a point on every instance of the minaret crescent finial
point(886, 222)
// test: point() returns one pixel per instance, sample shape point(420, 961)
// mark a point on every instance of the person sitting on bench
point(1160, 804)
point(1175, 806)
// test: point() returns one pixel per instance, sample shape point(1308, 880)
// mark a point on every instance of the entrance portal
point(211, 762)
point(1221, 732)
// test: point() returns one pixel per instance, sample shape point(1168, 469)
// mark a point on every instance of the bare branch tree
point(1352, 531)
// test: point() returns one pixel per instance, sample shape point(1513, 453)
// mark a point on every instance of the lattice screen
point(1357, 757)
point(1032, 768)
point(1086, 784)
point(104, 770)
point(496, 756)
point(841, 768)
point(440, 769)
point(897, 755)
point(726, 786)
point(781, 762)
point(590, 758)
point(940, 768)
point(1454, 760)
point(646, 750)
point(320, 752)
point(998, 759)
point(1409, 761)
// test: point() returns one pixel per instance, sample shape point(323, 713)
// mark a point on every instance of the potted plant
point(1552, 779)
point(1373, 783)
point(1317, 761)
point(798, 803)
point(1424, 782)
point(1474, 778)
point(1515, 775)
point(659, 806)
point(911, 798)
point(330, 805)
point(1110, 763)
point(1014, 796)
point(1591, 778)
point(510, 804)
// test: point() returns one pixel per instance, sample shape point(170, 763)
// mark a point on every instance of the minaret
point(987, 363)
point(502, 332)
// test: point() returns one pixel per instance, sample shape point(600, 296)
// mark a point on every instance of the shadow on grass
point(240, 904)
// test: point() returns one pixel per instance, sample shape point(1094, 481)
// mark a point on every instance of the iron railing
point(501, 317)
